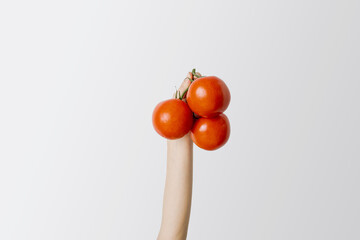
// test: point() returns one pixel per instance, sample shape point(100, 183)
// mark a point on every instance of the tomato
point(211, 133)
point(172, 118)
point(208, 96)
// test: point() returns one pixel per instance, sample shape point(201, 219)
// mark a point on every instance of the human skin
point(178, 185)
point(178, 189)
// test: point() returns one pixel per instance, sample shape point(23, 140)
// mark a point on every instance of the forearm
point(178, 189)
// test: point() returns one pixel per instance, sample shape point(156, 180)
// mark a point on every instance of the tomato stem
point(182, 96)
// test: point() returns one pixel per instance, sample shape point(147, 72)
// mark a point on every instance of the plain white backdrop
point(79, 159)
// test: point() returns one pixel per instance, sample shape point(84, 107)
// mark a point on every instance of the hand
point(181, 92)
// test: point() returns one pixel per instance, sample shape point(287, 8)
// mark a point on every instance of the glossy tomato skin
point(208, 96)
point(211, 133)
point(172, 119)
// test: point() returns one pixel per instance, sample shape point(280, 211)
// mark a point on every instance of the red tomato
point(172, 118)
point(211, 133)
point(208, 96)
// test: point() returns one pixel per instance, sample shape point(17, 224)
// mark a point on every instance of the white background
point(79, 158)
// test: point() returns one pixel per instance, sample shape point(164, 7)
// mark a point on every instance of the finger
point(183, 87)
point(197, 75)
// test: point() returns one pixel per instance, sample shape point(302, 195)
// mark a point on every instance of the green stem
point(182, 96)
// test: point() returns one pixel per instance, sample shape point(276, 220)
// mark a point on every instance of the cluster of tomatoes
point(199, 110)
